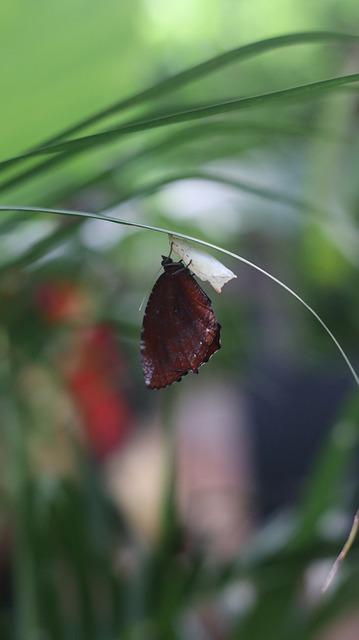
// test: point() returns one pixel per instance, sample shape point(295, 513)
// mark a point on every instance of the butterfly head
point(170, 266)
point(166, 261)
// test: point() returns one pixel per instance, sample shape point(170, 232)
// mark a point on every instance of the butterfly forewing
point(180, 331)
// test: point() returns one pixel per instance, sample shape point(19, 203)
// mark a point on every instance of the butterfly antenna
point(142, 302)
point(145, 296)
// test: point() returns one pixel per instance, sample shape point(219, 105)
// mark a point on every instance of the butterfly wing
point(180, 331)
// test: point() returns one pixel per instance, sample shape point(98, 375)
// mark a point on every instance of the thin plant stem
point(344, 552)
point(355, 526)
point(204, 243)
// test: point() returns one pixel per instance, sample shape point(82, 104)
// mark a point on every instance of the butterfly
point(180, 331)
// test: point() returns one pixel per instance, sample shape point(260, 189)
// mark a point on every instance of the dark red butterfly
point(180, 331)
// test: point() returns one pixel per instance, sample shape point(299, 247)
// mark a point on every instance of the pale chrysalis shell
point(203, 265)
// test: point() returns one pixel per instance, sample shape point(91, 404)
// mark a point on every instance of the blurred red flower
point(94, 383)
point(92, 367)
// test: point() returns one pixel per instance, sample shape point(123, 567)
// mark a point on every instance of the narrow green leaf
point(242, 185)
point(202, 69)
point(200, 129)
point(324, 481)
point(209, 245)
point(193, 113)
point(43, 246)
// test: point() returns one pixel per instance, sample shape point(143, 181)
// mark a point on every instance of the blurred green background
point(212, 509)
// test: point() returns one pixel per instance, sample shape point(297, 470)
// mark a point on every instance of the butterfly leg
point(185, 266)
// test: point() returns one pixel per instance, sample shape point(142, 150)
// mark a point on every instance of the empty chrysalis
point(204, 266)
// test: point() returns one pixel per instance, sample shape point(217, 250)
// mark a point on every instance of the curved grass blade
point(203, 69)
point(353, 532)
point(311, 210)
point(33, 171)
point(178, 137)
point(209, 245)
point(43, 246)
point(193, 113)
point(11, 223)
point(189, 134)
point(59, 235)
point(242, 185)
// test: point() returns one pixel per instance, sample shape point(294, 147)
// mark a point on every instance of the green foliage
point(66, 534)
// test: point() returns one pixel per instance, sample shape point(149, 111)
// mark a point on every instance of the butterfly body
point(180, 331)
